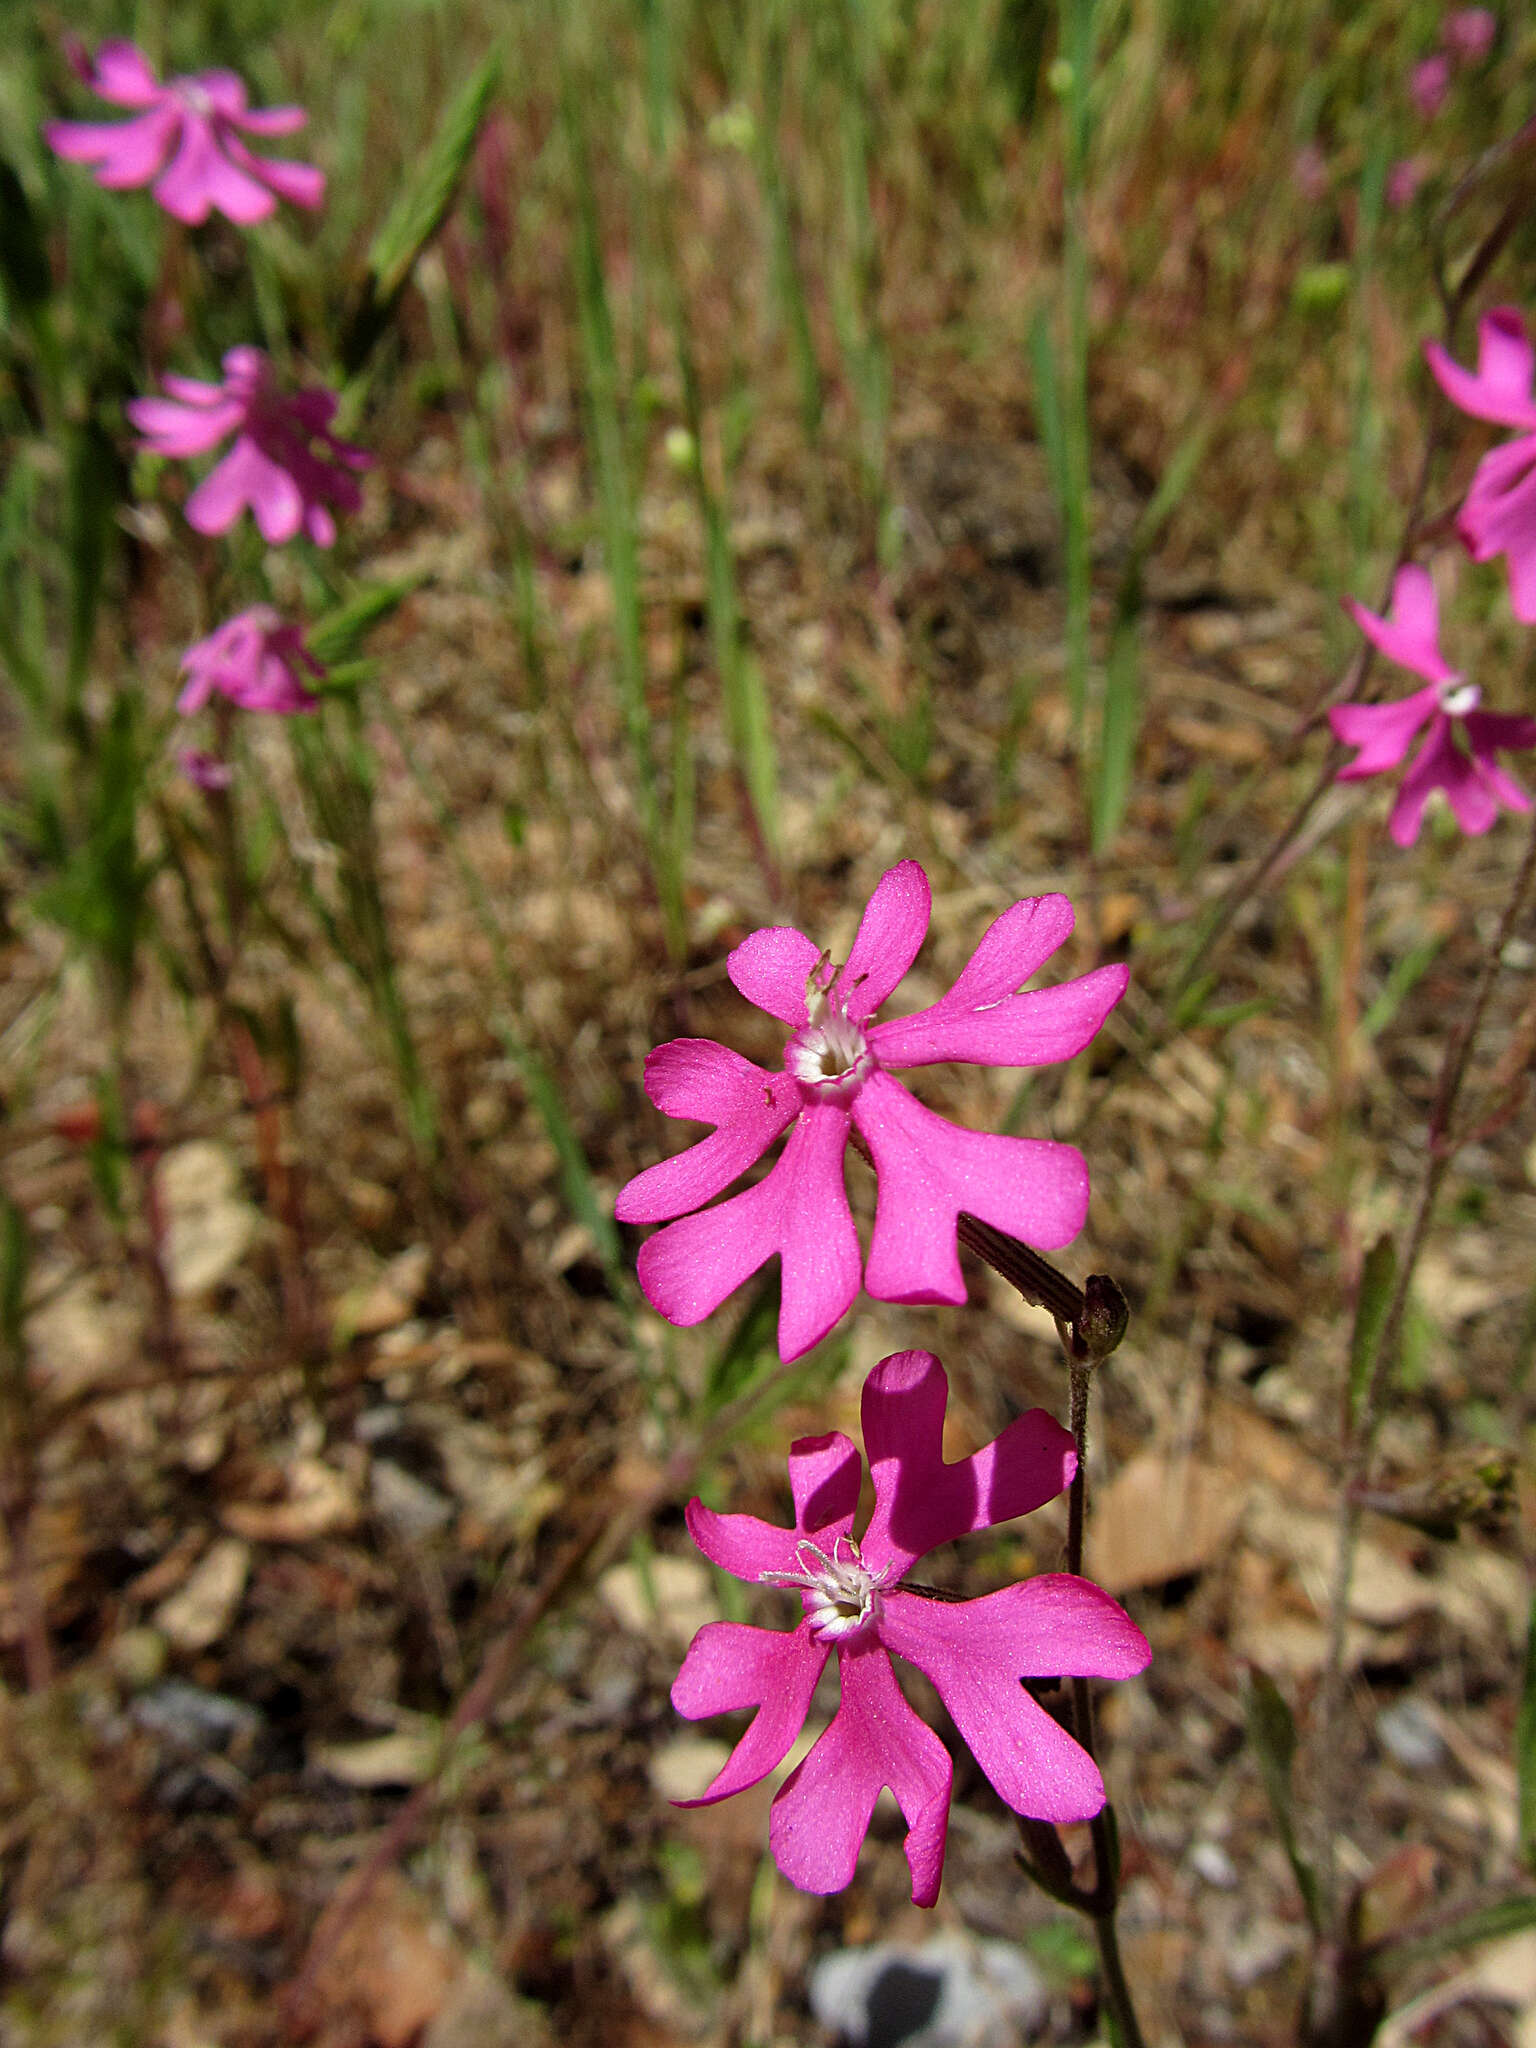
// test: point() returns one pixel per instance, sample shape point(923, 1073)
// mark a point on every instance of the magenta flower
point(257, 660)
point(206, 770)
point(1429, 82)
point(837, 1079)
point(1458, 754)
point(974, 1651)
point(1468, 33)
point(285, 463)
point(185, 135)
point(1404, 180)
point(1499, 516)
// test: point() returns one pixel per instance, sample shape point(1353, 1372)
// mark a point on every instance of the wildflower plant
point(1462, 741)
point(257, 661)
point(188, 136)
point(858, 1604)
point(838, 1084)
point(1499, 514)
point(285, 464)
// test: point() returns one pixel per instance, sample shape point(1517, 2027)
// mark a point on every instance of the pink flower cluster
point(1466, 37)
point(188, 136)
point(285, 464)
point(839, 1082)
point(854, 1602)
point(1462, 741)
point(1460, 747)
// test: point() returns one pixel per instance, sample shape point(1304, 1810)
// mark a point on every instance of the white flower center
point(844, 1594)
point(195, 99)
point(1457, 699)
point(829, 1053)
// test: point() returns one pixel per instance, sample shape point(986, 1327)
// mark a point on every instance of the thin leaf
point(23, 257)
point(1483, 1923)
point(417, 214)
point(1272, 1737)
point(337, 636)
point(15, 1260)
point(96, 480)
point(1525, 1748)
point(1377, 1279)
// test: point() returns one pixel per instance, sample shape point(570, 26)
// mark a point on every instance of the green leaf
point(417, 215)
point(15, 1259)
point(23, 258)
point(96, 482)
point(1483, 1923)
point(1272, 1738)
point(1525, 1748)
point(340, 633)
point(749, 1353)
point(1377, 1280)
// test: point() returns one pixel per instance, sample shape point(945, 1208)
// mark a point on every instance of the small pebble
point(1209, 1860)
point(1407, 1732)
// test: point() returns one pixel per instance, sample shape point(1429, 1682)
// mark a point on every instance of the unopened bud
point(1098, 1330)
point(1061, 77)
point(682, 451)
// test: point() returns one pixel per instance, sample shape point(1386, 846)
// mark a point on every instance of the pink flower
point(285, 463)
point(257, 660)
point(1309, 168)
point(185, 136)
point(205, 769)
point(1468, 33)
point(1499, 516)
point(838, 1078)
point(1458, 754)
point(1404, 180)
point(974, 1651)
point(1429, 83)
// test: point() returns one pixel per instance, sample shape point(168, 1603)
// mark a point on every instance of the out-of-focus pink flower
point(1309, 168)
point(1468, 33)
point(257, 660)
point(1460, 749)
point(1404, 180)
point(186, 135)
point(838, 1078)
point(205, 769)
point(285, 463)
point(1499, 515)
point(974, 1651)
point(1429, 82)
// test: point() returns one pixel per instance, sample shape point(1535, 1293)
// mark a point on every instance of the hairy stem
point(1360, 1435)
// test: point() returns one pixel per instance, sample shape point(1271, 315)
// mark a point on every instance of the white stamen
point(845, 1593)
point(1457, 699)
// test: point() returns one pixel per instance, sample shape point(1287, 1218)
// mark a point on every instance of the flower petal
point(1410, 633)
point(200, 177)
point(976, 1652)
point(822, 1813)
point(269, 121)
point(1028, 1030)
point(178, 430)
point(1435, 760)
point(1382, 732)
point(800, 1211)
point(1508, 729)
point(695, 1078)
point(729, 1666)
point(929, 1170)
point(124, 76)
point(300, 184)
point(891, 931)
point(129, 152)
point(824, 1473)
point(1501, 389)
point(920, 1501)
point(772, 968)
